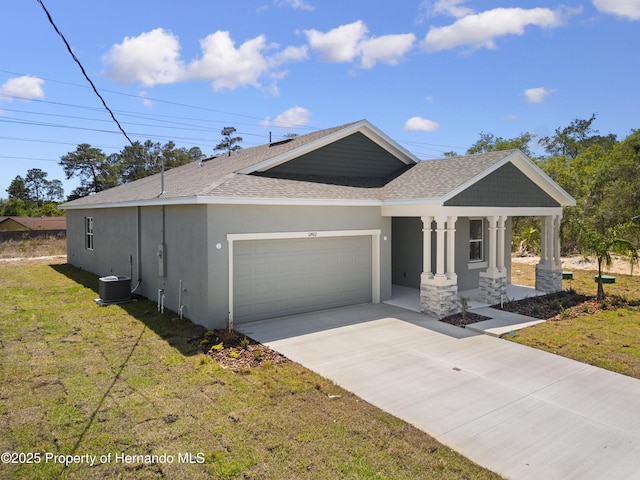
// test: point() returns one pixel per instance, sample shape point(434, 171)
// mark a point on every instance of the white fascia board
point(546, 183)
point(530, 169)
point(135, 203)
point(363, 126)
point(439, 210)
point(383, 140)
point(200, 200)
point(477, 178)
point(288, 201)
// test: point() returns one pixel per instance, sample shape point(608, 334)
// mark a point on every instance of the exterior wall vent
point(114, 288)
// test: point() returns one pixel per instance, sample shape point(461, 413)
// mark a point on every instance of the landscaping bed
point(233, 350)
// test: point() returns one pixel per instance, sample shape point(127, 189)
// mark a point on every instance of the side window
point(88, 233)
point(476, 240)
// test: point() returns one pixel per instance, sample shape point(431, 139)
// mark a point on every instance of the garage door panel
point(283, 277)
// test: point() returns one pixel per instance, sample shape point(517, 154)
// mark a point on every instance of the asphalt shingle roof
point(218, 177)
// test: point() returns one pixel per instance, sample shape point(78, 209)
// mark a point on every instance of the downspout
point(138, 245)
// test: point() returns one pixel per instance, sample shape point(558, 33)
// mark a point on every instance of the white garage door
point(282, 277)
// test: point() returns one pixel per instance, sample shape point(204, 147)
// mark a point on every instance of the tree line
point(35, 195)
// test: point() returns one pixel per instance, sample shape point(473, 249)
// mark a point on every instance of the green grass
point(609, 338)
point(76, 379)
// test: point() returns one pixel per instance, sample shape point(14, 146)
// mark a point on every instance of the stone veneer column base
point(439, 297)
point(548, 279)
point(493, 288)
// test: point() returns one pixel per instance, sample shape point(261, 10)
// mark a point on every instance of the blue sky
point(430, 74)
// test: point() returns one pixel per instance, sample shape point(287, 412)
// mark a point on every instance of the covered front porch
point(409, 298)
point(465, 252)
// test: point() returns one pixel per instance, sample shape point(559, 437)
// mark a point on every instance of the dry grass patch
point(79, 379)
point(33, 247)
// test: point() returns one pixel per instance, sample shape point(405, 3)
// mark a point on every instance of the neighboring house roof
point(351, 164)
point(33, 223)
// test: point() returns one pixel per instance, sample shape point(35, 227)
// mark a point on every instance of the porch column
point(549, 270)
point(439, 292)
point(493, 282)
point(550, 231)
point(546, 240)
point(501, 242)
point(426, 246)
point(493, 229)
point(451, 248)
point(440, 245)
point(556, 240)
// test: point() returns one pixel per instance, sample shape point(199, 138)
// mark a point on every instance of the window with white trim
point(476, 240)
point(88, 233)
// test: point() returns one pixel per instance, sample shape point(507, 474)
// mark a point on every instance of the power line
point(83, 70)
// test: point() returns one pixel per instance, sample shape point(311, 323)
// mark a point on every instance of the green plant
point(234, 354)
point(244, 342)
point(210, 334)
point(218, 347)
point(464, 306)
point(257, 355)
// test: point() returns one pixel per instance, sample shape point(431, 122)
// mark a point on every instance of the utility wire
point(83, 70)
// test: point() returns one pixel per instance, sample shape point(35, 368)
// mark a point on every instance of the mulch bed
point(552, 307)
point(460, 320)
point(236, 351)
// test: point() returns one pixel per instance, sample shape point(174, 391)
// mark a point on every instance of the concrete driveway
point(521, 412)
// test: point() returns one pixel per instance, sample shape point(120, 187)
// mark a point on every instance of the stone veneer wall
point(548, 280)
point(492, 290)
point(439, 300)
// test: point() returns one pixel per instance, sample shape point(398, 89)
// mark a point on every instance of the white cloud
point(389, 49)
point(419, 124)
point(227, 66)
point(537, 95)
point(154, 58)
point(291, 118)
point(297, 5)
point(145, 101)
point(290, 54)
point(452, 8)
point(349, 42)
point(340, 44)
point(151, 58)
point(24, 88)
point(629, 9)
point(481, 29)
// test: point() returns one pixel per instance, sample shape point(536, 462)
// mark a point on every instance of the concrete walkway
point(501, 322)
point(521, 412)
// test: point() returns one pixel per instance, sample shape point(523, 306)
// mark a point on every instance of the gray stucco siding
point(506, 187)
point(113, 240)
point(236, 219)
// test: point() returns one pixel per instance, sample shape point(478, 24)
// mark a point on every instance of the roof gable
point(353, 156)
point(505, 187)
point(334, 136)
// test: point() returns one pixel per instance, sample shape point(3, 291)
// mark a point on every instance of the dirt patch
point(619, 265)
point(236, 351)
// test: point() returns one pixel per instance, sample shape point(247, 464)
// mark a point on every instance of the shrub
point(244, 342)
point(218, 348)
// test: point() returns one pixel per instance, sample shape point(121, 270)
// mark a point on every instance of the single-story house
point(23, 224)
point(327, 219)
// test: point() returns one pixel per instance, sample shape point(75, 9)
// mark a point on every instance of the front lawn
point(605, 334)
point(130, 390)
